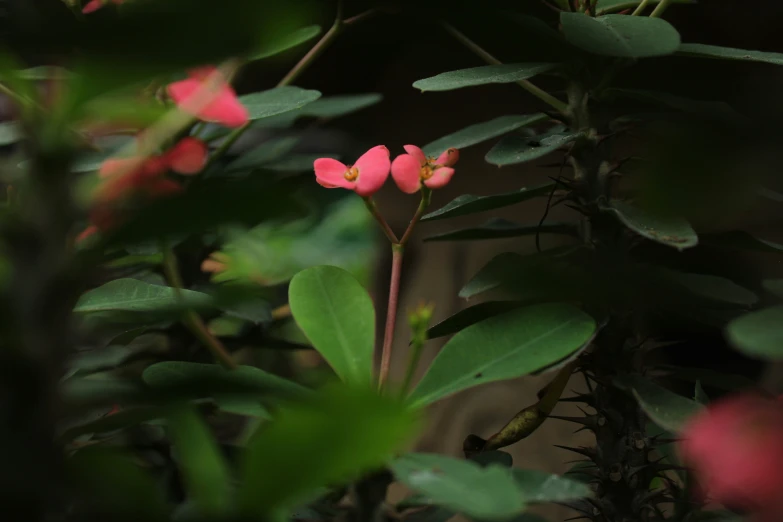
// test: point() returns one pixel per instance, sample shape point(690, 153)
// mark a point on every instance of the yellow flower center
point(426, 171)
point(351, 174)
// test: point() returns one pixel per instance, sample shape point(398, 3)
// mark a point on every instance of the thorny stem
point(391, 314)
point(525, 84)
point(373, 208)
point(191, 319)
point(641, 7)
point(658, 11)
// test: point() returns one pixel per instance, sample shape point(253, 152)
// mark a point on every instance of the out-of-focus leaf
point(287, 41)
point(773, 286)
point(336, 436)
point(611, 6)
point(516, 343)
point(699, 395)
point(264, 153)
point(667, 409)
point(297, 162)
point(729, 53)
point(137, 296)
point(498, 458)
point(471, 315)
point(505, 73)
point(337, 315)
point(340, 105)
point(520, 149)
point(480, 132)
point(116, 354)
point(470, 204)
point(619, 35)
point(204, 471)
point(431, 514)
point(498, 228)
point(711, 288)
point(461, 485)
point(9, 133)
point(277, 101)
point(758, 334)
point(669, 231)
point(539, 486)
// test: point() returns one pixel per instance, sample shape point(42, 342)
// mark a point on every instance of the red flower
point(94, 5)
point(412, 170)
point(365, 177)
point(222, 105)
point(735, 448)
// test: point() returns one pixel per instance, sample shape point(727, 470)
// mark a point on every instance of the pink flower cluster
point(410, 171)
point(735, 450)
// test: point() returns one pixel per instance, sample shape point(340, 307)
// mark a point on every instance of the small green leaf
point(758, 334)
point(619, 35)
point(699, 395)
point(287, 41)
point(461, 485)
point(519, 149)
point(539, 486)
point(506, 73)
point(204, 471)
point(510, 345)
point(498, 228)
point(470, 204)
point(669, 231)
point(337, 315)
point(471, 315)
point(481, 132)
point(612, 6)
point(740, 240)
point(337, 435)
point(277, 101)
point(729, 53)
point(341, 105)
point(137, 296)
point(9, 133)
point(667, 409)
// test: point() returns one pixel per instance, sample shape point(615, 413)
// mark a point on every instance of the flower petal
point(406, 171)
point(222, 106)
point(373, 168)
point(86, 233)
point(330, 173)
point(113, 166)
point(188, 156)
point(162, 187)
point(417, 153)
point(226, 109)
point(92, 6)
point(448, 158)
point(440, 178)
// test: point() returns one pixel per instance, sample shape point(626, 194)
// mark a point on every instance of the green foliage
point(277, 101)
point(506, 73)
point(729, 53)
point(667, 409)
point(500, 228)
point(132, 295)
point(620, 36)
point(467, 204)
point(667, 230)
point(758, 334)
point(480, 132)
point(515, 149)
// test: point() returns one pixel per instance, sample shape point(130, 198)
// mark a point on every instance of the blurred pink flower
point(94, 5)
point(735, 449)
point(188, 156)
point(412, 170)
point(365, 177)
point(222, 105)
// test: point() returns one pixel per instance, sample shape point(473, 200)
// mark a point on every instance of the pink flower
point(735, 449)
point(222, 105)
point(365, 177)
point(188, 156)
point(94, 5)
point(413, 169)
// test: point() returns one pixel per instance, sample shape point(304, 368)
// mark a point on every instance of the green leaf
point(341, 105)
point(133, 295)
point(669, 231)
point(498, 458)
point(9, 133)
point(729, 53)
point(112, 480)
point(287, 41)
point(297, 162)
point(758, 334)
point(277, 101)
point(471, 315)
point(470, 204)
point(519, 149)
point(505, 73)
point(711, 288)
point(611, 6)
point(112, 356)
point(619, 35)
point(667, 409)
point(539, 486)
point(481, 132)
point(510, 345)
point(264, 153)
point(461, 485)
point(699, 395)
point(498, 228)
point(337, 315)
point(740, 240)
point(204, 471)
point(773, 286)
point(337, 435)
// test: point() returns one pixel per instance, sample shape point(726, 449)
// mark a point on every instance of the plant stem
point(191, 319)
point(658, 11)
point(641, 7)
point(391, 314)
point(426, 194)
point(373, 208)
point(525, 84)
point(413, 363)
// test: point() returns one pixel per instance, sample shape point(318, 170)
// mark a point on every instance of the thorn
point(583, 428)
point(580, 397)
point(587, 452)
point(580, 517)
point(577, 420)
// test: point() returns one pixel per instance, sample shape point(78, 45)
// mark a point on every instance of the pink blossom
point(412, 170)
point(222, 105)
point(94, 5)
point(735, 449)
point(365, 177)
point(188, 156)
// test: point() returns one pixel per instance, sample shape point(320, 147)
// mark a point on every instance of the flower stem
point(641, 7)
point(413, 363)
point(525, 84)
point(426, 195)
point(391, 314)
point(373, 208)
point(190, 318)
point(658, 11)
